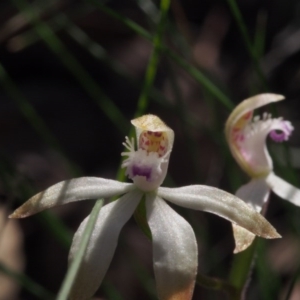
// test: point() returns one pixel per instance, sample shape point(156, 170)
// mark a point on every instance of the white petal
point(102, 244)
point(249, 105)
point(70, 191)
point(283, 189)
point(174, 251)
point(255, 193)
point(221, 203)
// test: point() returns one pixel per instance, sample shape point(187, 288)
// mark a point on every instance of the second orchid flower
point(246, 136)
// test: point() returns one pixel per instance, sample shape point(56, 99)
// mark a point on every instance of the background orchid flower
point(246, 136)
point(174, 243)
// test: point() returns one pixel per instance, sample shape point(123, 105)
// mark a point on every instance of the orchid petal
point(283, 189)
point(221, 203)
point(247, 144)
point(70, 191)
point(255, 194)
point(174, 251)
point(249, 105)
point(102, 244)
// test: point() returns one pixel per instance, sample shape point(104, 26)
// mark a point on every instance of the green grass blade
point(268, 279)
point(217, 285)
point(154, 59)
point(190, 69)
point(62, 21)
point(241, 267)
point(247, 41)
point(71, 63)
point(67, 284)
point(260, 34)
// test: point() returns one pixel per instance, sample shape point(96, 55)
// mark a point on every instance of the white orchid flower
point(174, 243)
point(246, 136)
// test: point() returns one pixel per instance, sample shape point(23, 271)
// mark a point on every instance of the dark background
point(204, 33)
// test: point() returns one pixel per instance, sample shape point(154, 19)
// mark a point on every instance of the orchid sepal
point(221, 203)
point(102, 244)
point(173, 241)
point(255, 194)
point(83, 188)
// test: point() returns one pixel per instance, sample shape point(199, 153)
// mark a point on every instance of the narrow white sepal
point(174, 251)
point(221, 203)
point(283, 189)
point(255, 193)
point(102, 244)
point(72, 190)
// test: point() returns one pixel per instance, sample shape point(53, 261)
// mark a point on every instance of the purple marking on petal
point(283, 134)
point(142, 171)
point(278, 136)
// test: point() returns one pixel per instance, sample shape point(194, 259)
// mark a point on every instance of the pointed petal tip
point(17, 215)
point(266, 98)
point(275, 97)
point(242, 237)
point(12, 216)
point(238, 250)
point(21, 212)
point(269, 232)
point(274, 235)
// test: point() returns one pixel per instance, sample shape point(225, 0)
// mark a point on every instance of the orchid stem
point(242, 267)
point(247, 41)
point(218, 285)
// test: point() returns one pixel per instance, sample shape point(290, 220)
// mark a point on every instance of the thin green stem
point(154, 59)
point(70, 277)
point(247, 41)
point(217, 285)
point(260, 34)
point(35, 289)
point(62, 21)
point(71, 63)
point(194, 72)
point(266, 276)
point(182, 113)
point(151, 70)
point(242, 267)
